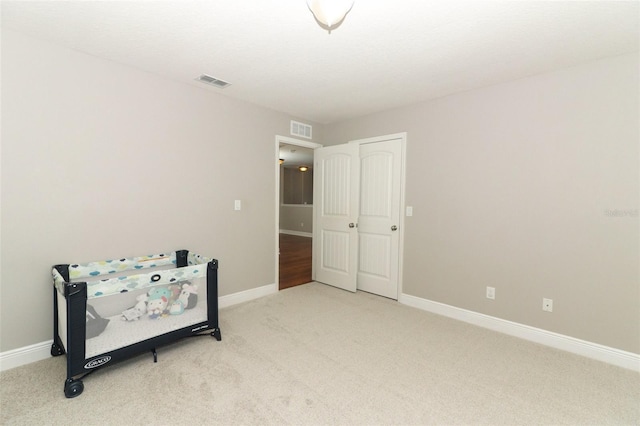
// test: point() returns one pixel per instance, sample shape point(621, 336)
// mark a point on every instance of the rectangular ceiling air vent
point(213, 81)
point(301, 129)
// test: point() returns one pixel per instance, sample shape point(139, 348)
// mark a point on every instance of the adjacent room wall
point(530, 187)
point(103, 161)
point(296, 219)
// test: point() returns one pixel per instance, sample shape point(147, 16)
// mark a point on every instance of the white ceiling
point(386, 54)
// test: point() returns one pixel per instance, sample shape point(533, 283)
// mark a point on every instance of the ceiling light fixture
point(303, 168)
point(281, 160)
point(329, 13)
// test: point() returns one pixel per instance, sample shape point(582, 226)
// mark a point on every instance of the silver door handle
point(352, 225)
point(394, 228)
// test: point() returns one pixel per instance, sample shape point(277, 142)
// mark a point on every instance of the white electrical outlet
point(491, 292)
point(547, 305)
point(237, 205)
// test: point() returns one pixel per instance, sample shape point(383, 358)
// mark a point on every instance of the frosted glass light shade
point(330, 12)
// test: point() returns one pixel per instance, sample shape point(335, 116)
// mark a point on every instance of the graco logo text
point(97, 362)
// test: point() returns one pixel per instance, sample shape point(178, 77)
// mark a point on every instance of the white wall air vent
point(213, 81)
point(301, 129)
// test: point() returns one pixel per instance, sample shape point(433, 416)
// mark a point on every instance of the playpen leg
point(217, 334)
point(56, 347)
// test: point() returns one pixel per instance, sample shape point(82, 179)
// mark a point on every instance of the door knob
point(352, 225)
point(394, 228)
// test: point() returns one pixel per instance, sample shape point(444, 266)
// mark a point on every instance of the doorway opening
point(294, 211)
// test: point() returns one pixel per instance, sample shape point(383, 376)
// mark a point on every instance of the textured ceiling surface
point(386, 54)
point(295, 156)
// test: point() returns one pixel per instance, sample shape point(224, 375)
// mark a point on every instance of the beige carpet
point(317, 355)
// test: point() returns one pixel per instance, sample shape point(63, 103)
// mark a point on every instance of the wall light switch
point(409, 211)
point(237, 205)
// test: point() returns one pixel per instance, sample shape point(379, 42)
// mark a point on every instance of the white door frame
point(289, 141)
point(403, 142)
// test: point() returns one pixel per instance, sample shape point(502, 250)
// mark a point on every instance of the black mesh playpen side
point(107, 311)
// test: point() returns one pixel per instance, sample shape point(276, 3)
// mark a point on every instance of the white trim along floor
point(628, 360)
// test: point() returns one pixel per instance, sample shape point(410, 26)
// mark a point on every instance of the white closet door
point(335, 241)
point(379, 218)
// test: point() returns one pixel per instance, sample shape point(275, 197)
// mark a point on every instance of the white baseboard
point(247, 295)
point(596, 351)
point(40, 351)
point(25, 355)
point(298, 233)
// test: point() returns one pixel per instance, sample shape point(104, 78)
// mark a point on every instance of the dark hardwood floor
point(295, 260)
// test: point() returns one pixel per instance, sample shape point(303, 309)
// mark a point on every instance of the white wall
point(530, 187)
point(515, 186)
point(103, 161)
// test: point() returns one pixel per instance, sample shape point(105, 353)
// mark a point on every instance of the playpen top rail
point(113, 277)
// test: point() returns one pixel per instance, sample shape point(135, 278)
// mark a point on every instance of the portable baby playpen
point(107, 311)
